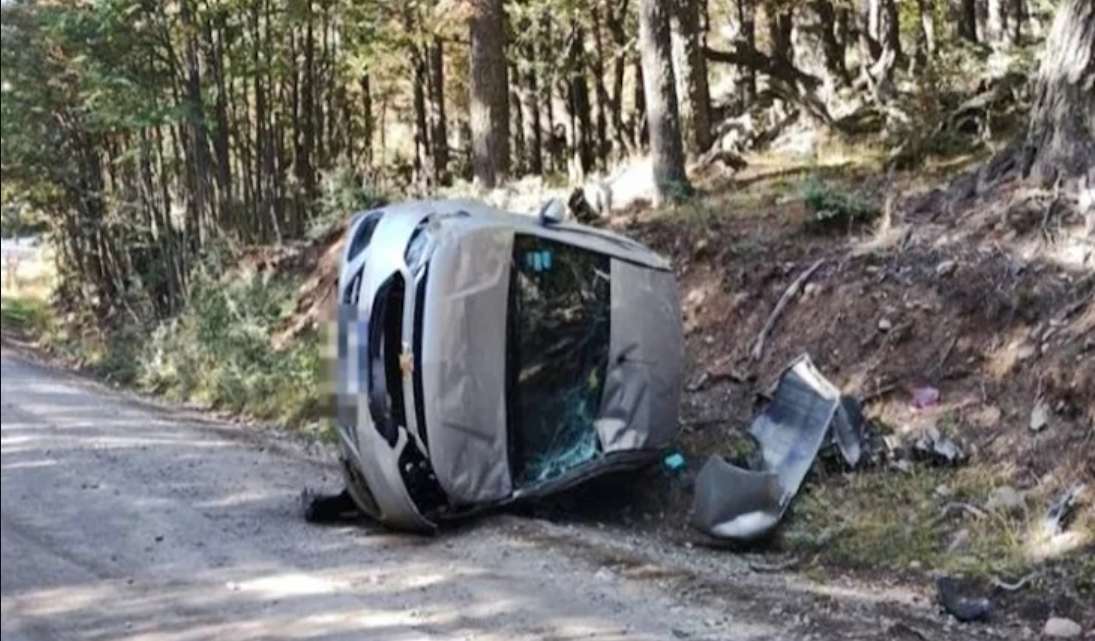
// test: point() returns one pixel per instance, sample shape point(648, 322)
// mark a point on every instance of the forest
point(902, 189)
point(141, 132)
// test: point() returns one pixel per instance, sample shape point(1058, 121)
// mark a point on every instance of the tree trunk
point(1060, 140)
point(831, 43)
point(640, 124)
point(925, 37)
point(670, 180)
point(423, 166)
point(581, 117)
point(530, 105)
point(748, 17)
point(781, 32)
point(890, 29)
point(368, 125)
point(997, 21)
point(690, 68)
point(305, 167)
point(439, 130)
point(1017, 17)
point(604, 146)
point(619, 71)
point(489, 100)
point(967, 20)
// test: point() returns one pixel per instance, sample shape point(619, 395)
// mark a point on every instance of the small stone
point(946, 268)
point(811, 290)
point(944, 491)
point(1039, 417)
point(903, 466)
point(987, 417)
point(1058, 628)
point(960, 541)
point(1005, 499)
point(885, 325)
point(916, 566)
point(1027, 352)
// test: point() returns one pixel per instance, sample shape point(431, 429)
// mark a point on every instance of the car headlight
point(418, 248)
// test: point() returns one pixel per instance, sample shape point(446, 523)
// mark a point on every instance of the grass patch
point(883, 520)
point(833, 208)
point(217, 352)
point(24, 316)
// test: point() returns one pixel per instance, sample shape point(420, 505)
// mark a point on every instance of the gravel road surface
point(125, 521)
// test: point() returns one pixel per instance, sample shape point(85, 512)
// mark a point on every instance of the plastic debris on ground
point(937, 449)
point(675, 463)
point(925, 397)
point(1060, 513)
point(806, 413)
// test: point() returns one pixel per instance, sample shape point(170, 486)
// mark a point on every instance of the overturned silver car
point(487, 357)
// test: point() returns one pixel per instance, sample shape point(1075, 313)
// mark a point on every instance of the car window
point(557, 354)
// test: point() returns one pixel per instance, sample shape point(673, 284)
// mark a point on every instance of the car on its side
point(487, 357)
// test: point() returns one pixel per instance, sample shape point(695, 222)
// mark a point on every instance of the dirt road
point(122, 521)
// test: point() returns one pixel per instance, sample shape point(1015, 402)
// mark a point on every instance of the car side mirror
point(552, 212)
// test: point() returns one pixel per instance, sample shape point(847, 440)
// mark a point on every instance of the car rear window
point(557, 354)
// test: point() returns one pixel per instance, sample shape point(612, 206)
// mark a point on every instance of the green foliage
point(342, 194)
point(219, 351)
point(24, 315)
point(832, 208)
point(17, 220)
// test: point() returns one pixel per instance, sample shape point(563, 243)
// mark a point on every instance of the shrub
point(342, 194)
point(219, 351)
point(832, 208)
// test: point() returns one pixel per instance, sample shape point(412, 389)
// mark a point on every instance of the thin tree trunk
point(619, 71)
point(305, 169)
point(369, 126)
point(967, 20)
point(925, 38)
point(603, 145)
point(439, 129)
point(1017, 18)
point(748, 18)
point(530, 106)
point(670, 180)
point(489, 98)
point(640, 121)
point(690, 67)
point(581, 117)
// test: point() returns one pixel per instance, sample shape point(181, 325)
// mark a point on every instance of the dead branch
point(710, 378)
point(776, 568)
point(885, 390)
point(776, 67)
point(781, 306)
point(1014, 587)
point(972, 510)
point(946, 356)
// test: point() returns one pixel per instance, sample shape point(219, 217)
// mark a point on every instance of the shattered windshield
point(557, 351)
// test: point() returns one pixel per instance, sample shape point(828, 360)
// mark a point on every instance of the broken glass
point(557, 352)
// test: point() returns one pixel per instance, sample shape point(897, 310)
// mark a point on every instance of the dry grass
point(934, 521)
